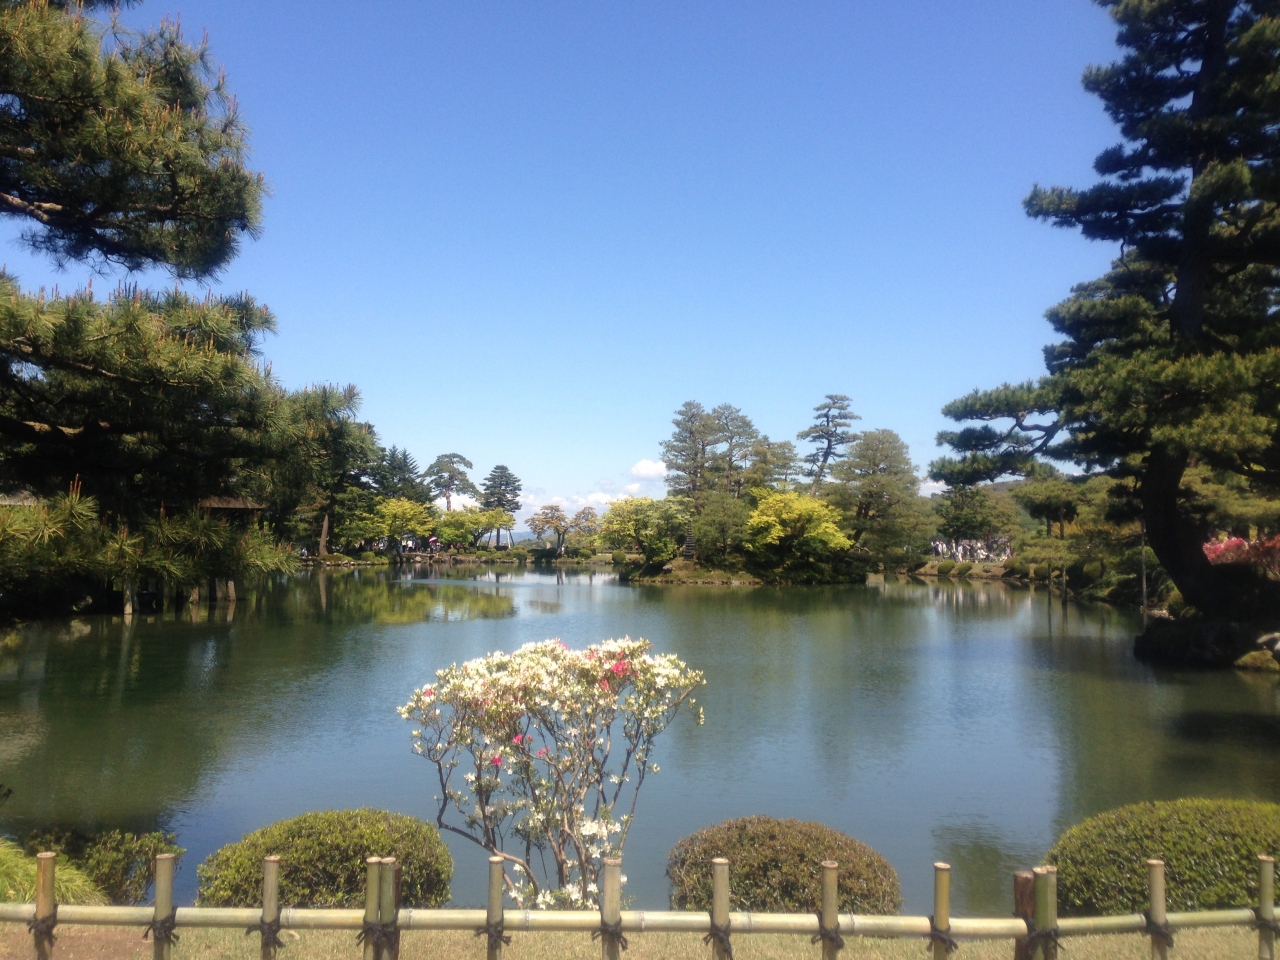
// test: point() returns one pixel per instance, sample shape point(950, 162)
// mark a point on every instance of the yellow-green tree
point(794, 534)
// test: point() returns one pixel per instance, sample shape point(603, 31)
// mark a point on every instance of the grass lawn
point(113, 943)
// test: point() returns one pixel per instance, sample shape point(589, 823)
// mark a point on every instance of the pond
point(966, 722)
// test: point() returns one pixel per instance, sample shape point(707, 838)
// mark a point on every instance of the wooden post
point(46, 902)
point(1266, 906)
point(388, 904)
point(830, 905)
point(1045, 911)
point(161, 948)
point(941, 906)
point(719, 902)
point(372, 893)
point(1156, 911)
point(1023, 909)
point(493, 916)
point(270, 902)
point(611, 906)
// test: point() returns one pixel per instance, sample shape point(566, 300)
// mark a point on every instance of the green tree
point(773, 465)
point(690, 452)
point(646, 526)
point(448, 477)
point(120, 147)
point(972, 513)
point(396, 474)
point(720, 530)
point(877, 492)
point(1171, 358)
point(501, 492)
point(829, 435)
point(793, 534)
point(147, 399)
point(551, 519)
point(736, 440)
point(1049, 496)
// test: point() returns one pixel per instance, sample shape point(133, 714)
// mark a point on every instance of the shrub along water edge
point(323, 860)
point(120, 864)
point(1209, 847)
point(776, 865)
point(18, 879)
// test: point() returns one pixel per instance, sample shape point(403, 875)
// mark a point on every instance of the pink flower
point(496, 761)
point(604, 683)
point(542, 752)
point(620, 667)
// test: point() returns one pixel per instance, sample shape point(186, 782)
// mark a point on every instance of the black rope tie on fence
point(1272, 925)
point(937, 935)
point(494, 932)
point(1158, 932)
point(269, 930)
point(829, 935)
point(163, 930)
point(381, 935)
point(720, 935)
point(41, 928)
point(610, 931)
point(1036, 938)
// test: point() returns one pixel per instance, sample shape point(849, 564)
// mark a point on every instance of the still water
point(962, 722)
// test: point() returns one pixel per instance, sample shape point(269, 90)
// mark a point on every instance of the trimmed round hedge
point(323, 861)
point(777, 865)
point(1210, 849)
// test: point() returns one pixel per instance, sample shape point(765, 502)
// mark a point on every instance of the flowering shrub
point(1262, 553)
point(543, 751)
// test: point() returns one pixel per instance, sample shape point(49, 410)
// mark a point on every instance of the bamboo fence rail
point(1035, 929)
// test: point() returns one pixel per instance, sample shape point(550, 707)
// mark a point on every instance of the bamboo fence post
point(1045, 912)
point(270, 903)
point(493, 917)
point(388, 907)
point(1157, 916)
point(941, 907)
point(719, 903)
point(830, 916)
point(1023, 909)
point(1266, 907)
point(46, 904)
point(611, 908)
point(161, 945)
point(372, 893)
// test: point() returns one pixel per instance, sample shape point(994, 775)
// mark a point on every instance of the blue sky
point(529, 231)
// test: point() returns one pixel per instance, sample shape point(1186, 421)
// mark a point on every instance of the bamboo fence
point(1034, 929)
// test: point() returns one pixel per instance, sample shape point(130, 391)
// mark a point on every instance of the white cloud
point(632, 488)
point(648, 470)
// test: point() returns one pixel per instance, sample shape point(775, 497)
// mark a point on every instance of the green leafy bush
point(962, 570)
point(519, 555)
point(1040, 571)
point(777, 865)
point(1210, 849)
point(1014, 567)
point(121, 865)
point(323, 860)
point(18, 879)
point(1176, 605)
point(945, 567)
point(619, 558)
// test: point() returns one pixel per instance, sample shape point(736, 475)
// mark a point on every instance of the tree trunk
point(323, 549)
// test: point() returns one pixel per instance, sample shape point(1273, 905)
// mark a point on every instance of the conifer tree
point(121, 149)
point(447, 476)
point(501, 491)
point(690, 454)
point(829, 435)
point(1173, 358)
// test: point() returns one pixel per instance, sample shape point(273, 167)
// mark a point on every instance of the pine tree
point(690, 453)
point(501, 491)
point(1172, 358)
point(829, 435)
point(121, 149)
point(447, 476)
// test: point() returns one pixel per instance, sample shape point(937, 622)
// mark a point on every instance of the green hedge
point(962, 570)
point(777, 865)
point(1210, 849)
point(121, 865)
point(945, 567)
point(1016, 568)
point(323, 861)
